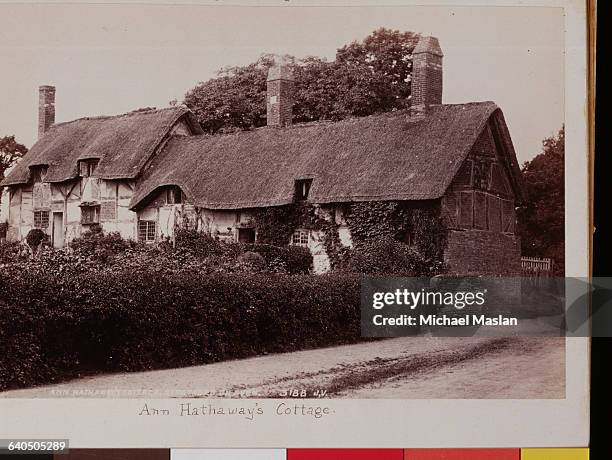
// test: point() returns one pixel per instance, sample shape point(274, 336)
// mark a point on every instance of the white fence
point(535, 266)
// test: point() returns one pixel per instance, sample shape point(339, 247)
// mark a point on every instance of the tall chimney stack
point(46, 108)
point(279, 97)
point(426, 86)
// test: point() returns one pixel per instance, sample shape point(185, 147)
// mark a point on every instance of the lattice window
point(300, 238)
point(90, 215)
point(41, 219)
point(147, 229)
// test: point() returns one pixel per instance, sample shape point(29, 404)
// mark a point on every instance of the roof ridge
point(145, 110)
point(351, 119)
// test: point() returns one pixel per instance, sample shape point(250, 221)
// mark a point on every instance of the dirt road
point(409, 367)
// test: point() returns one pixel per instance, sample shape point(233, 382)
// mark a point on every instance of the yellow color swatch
point(555, 454)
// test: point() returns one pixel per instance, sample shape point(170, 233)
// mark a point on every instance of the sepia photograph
point(191, 196)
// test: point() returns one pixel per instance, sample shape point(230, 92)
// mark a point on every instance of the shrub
point(35, 237)
point(252, 260)
point(57, 327)
point(387, 257)
point(12, 252)
point(198, 244)
point(290, 259)
point(192, 249)
point(97, 245)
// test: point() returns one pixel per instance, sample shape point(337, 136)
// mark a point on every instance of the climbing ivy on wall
point(379, 220)
point(367, 221)
point(376, 220)
point(429, 233)
point(276, 225)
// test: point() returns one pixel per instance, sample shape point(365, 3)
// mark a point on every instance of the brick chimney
point(426, 75)
point(279, 97)
point(46, 108)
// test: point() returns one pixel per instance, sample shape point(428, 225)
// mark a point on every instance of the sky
point(110, 59)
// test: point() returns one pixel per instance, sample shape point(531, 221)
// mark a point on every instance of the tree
point(542, 218)
point(234, 100)
point(387, 53)
point(10, 152)
point(366, 77)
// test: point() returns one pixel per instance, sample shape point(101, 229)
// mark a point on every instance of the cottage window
point(147, 229)
point(173, 195)
point(87, 167)
point(90, 214)
point(300, 238)
point(41, 219)
point(38, 173)
point(302, 189)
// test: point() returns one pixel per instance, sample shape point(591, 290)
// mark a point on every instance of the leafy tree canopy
point(10, 152)
point(366, 77)
point(542, 219)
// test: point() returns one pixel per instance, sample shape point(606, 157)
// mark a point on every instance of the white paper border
point(370, 423)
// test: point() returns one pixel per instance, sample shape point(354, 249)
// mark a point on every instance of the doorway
point(246, 235)
point(58, 229)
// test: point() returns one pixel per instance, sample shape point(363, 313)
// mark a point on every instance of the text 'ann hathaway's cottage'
point(143, 172)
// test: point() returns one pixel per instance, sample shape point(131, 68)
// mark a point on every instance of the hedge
point(290, 259)
point(58, 327)
point(387, 257)
point(192, 246)
point(12, 252)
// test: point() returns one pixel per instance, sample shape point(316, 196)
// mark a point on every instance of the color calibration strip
point(380, 454)
point(313, 454)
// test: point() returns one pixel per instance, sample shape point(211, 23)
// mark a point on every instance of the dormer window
point(174, 195)
point(38, 173)
point(302, 189)
point(87, 167)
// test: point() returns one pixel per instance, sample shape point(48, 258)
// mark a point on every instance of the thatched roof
point(121, 143)
point(383, 157)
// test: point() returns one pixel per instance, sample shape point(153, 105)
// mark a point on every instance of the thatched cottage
point(144, 172)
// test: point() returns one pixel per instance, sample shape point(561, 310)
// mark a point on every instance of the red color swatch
point(462, 454)
point(345, 454)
